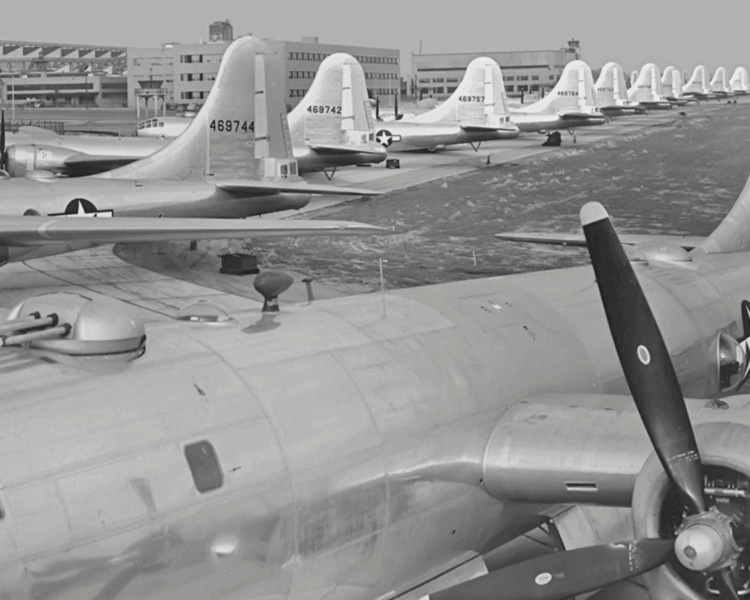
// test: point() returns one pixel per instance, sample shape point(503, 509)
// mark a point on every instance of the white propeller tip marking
point(593, 212)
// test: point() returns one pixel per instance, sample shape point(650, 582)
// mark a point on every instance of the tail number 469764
point(231, 125)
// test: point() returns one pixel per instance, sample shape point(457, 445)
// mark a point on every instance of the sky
point(631, 32)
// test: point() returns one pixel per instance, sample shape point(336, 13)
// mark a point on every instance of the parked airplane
point(719, 85)
point(611, 93)
point(332, 125)
point(232, 161)
point(384, 446)
point(475, 112)
point(647, 89)
point(739, 82)
point(672, 84)
point(697, 86)
point(34, 148)
point(569, 105)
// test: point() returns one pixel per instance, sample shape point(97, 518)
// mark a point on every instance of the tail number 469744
point(231, 125)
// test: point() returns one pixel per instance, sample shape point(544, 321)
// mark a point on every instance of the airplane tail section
point(719, 81)
point(739, 81)
point(671, 82)
point(610, 88)
point(697, 84)
point(225, 127)
point(574, 93)
point(647, 86)
point(733, 233)
point(336, 109)
point(479, 101)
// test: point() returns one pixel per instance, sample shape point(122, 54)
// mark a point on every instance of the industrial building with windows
point(184, 73)
point(49, 74)
point(438, 75)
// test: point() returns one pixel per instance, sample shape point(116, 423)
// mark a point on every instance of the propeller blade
point(724, 583)
point(644, 357)
point(3, 154)
point(564, 574)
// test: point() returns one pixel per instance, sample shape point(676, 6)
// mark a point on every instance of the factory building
point(184, 73)
point(50, 74)
point(438, 75)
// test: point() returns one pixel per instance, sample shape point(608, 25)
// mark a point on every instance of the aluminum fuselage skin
point(351, 436)
point(430, 136)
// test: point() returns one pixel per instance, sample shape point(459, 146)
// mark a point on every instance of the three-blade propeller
point(656, 391)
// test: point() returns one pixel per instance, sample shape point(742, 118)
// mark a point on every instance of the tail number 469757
point(231, 125)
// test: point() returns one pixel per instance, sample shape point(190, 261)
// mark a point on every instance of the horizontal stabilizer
point(346, 149)
point(483, 128)
point(84, 164)
point(37, 131)
point(580, 115)
point(40, 231)
point(687, 242)
point(263, 188)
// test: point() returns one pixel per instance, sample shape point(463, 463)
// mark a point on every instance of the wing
point(263, 188)
point(688, 242)
point(40, 231)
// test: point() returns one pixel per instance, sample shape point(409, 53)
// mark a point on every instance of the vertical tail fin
point(224, 127)
point(719, 81)
point(697, 84)
point(671, 82)
point(647, 87)
point(574, 92)
point(739, 81)
point(478, 100)
point(610, 86)
point(733, 233)
point(336, 108)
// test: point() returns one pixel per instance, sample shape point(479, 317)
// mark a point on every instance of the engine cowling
point(24, 158)
point(658, 512)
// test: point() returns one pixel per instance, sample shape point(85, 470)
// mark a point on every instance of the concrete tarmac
point(174, 278)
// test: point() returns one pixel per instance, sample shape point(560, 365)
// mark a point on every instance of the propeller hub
point(705, 543)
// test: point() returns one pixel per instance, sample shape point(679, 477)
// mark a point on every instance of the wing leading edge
point(40, 231)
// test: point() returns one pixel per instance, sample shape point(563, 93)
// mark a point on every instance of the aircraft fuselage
point(349, 436)
point(399, 136)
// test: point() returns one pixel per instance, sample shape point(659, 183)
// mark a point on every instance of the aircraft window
point(204, 465)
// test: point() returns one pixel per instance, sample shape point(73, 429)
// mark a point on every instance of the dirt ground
point(672, 179)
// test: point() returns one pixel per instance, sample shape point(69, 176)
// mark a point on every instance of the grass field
point(679, 178)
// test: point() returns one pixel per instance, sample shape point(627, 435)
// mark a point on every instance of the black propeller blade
point(564, 574)
point(644, 357)
point(656, 391)
point(3, 153)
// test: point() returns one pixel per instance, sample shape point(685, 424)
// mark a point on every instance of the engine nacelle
point(33, 157)
point(725, 451)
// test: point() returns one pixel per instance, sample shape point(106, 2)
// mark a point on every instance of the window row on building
point(197, 76)
point(381, 75)
point(302, 74)
point(377, 60)
point(320, 56)
point(314, 56)
point(193, 95)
